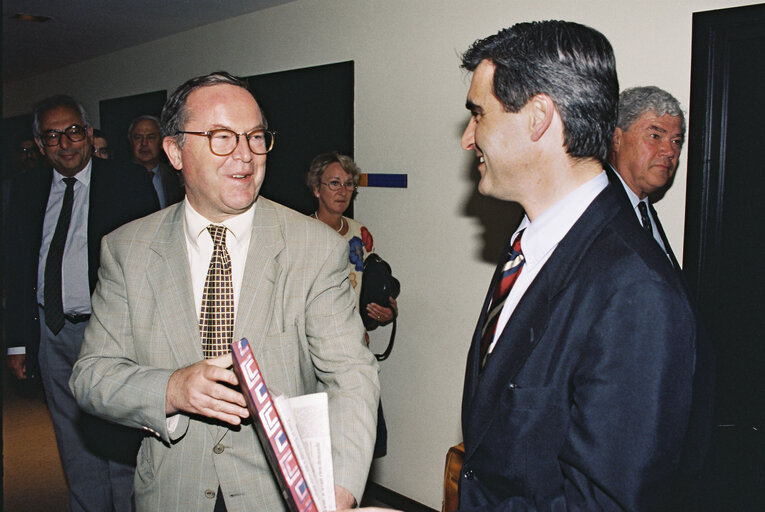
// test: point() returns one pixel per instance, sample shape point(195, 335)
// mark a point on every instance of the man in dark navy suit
point(56, 219)
point(146, 150)
point(645, 151)
point(579, 379)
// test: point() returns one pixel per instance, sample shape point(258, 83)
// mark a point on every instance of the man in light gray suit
point(142, 359)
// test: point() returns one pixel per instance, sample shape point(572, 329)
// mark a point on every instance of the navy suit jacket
point(704, 377)
point(619, 186)
point(118, 193)
point(172, 184)
point(584, 404)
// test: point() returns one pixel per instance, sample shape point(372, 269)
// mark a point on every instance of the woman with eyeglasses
point(334, 178)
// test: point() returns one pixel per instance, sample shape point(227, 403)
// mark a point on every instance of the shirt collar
point(634, 199)
point(196, 223)
point(543, 235)
point(83, 176)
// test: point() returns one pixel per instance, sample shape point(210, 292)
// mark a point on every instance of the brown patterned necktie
point(216, 322)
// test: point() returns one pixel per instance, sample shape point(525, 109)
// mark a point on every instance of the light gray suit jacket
point(297, 309)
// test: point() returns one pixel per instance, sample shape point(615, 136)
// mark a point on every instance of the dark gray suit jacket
point(118, 193)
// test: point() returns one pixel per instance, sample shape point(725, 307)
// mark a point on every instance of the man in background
point(101, 145)
point(643, 158)
point(56, 218)
point(645, 152)
point(572, 401)
point(146, 150)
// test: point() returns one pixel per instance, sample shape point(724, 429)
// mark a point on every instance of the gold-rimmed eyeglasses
point(223, 142)
point(335, 185)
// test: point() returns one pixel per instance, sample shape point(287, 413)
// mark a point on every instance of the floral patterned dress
point(360, 244)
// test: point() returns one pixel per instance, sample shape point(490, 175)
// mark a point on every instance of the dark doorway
point(724, 244)
point(312, 111)
point(117, 113)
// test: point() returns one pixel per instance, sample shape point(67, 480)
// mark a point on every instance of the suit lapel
point(526, 328)
point(171, 285)
point(664, 240)
point(36, 209)
point(625, 200)
point(474, 354)
point(261, 271)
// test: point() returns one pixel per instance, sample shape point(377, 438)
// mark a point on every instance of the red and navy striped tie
point(510, 272)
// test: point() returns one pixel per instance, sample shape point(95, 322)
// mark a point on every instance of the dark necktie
point(54, 308)
point(644, 218)
point(510, 272)
point(216, 321)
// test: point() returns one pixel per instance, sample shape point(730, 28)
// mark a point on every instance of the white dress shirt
point(542, 236)
point(199, 246)
point(654, 224)
point(75, 285)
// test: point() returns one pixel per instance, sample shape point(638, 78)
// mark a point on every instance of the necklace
point(342, 221)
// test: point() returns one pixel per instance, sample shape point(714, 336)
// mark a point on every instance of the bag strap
point(389, 348)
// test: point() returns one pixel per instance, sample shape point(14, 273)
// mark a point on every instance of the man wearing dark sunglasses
point(56, 219)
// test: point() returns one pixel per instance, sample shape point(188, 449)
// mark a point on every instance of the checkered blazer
point(297, 310)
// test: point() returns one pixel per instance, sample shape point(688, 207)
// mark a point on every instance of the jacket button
point(218, 449)
point(209, 493)
point(469, 474)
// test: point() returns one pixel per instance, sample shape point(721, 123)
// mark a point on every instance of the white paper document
point(306, 420)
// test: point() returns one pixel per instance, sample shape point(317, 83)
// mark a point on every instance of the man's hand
point(343, 498)
point(18, 365)
point(345, 502)
point(197, 389)
point(369, 509)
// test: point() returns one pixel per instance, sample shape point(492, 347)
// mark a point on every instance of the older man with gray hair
point(645, 151)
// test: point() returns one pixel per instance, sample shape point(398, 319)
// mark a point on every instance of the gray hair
point(636, 101)
point(320, 163)
point(60, 100)
point(138, 120)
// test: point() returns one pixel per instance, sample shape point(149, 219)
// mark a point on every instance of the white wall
point(409, 116)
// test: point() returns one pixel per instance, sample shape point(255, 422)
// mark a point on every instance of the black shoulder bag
point(377, 285)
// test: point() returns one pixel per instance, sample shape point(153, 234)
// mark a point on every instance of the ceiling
point(83, 30)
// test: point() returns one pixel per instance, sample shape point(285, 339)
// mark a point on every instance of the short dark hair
point(571, 63)
point(636, 101)
point(98, 134)
point(174, 113)
point(60, 100)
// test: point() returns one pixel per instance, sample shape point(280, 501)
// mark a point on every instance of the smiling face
point(646, 155)
point(68, 157)
point(219, 187)
point(146, 143)
point(500, 139)
point(334, 201)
